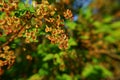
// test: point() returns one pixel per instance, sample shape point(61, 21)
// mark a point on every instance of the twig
point(12, 37)
point(112, 54)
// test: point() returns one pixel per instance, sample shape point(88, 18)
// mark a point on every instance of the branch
point(111, 53)
point(113, 56)
point(12, 37)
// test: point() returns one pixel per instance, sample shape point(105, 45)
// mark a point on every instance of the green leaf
point(106, 72)
point(97, 24)
point(58, 61)
point(6, 0)
point(104, 29)
point(72, 42)
point(2, 14)
point(48, 57)
point(84, 37)
point(31, 9)
point(20, 13)
point(43, 72)
point(88, 14)
point(2, 38)
point(71, 25)
point(66, 77)
point(95, 70)
point(110, 39)
point(13, 46)
point(116, 33)
point(87, 70)
point(107, 19)
point(45, 65)
point(33, 22)
point(17, 41)
point(34, 77)
point(21, 6)
point(51, 1)
point(1, 5)
point(115, 24)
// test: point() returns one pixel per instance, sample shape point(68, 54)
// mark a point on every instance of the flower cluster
point(7, 22)
point(57, 34)
point(31, 36)
point(68, 14)
point(26, 23)
point(47, 14)
point(7, 57)
point(8, 7)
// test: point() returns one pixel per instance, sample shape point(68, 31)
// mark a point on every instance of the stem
point(112, 54)
point(12, 37)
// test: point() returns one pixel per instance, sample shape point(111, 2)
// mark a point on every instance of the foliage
point(22, 20)
point(89, 46)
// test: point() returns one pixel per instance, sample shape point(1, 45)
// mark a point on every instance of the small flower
point(48, 29)
point(29, 57)
point(2, 22)
point(68, 14)
point(27, 40)
point(6, 48)
point(1, 63)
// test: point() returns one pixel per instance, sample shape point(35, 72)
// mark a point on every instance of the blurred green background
point(93, 52)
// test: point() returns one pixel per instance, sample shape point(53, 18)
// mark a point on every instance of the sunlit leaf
point(48, 57)
point(21, 5)
point(71, 25)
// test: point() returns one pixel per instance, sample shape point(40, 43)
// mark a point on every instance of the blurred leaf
point(84, 37)
point(71, 25)
point(116, 34)
point(52, 1)
point(31, 9)
point(88, 14)
point(104, 28)
point(43, 72)
point(57, 59)
point(35, 77)
point(95, 60)
point(2, 14)
point(97, 24)
point(48, 57)
point(66, 77)
point(6, 0)
point(115, 24)
point(13, 46)
point(107, 19)
point(77, 77)
point(33, 22)
point(106, 72)
point(72, 42)
point(95, 70)
point(21, 6)
point(110, 39)
point(17, 40)
point(87, 70)
point(20, 13)
point(2, 39)
point(45, 65)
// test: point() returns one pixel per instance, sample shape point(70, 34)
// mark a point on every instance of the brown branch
point(113, 56)
point(12, 37)
point(111, 53)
